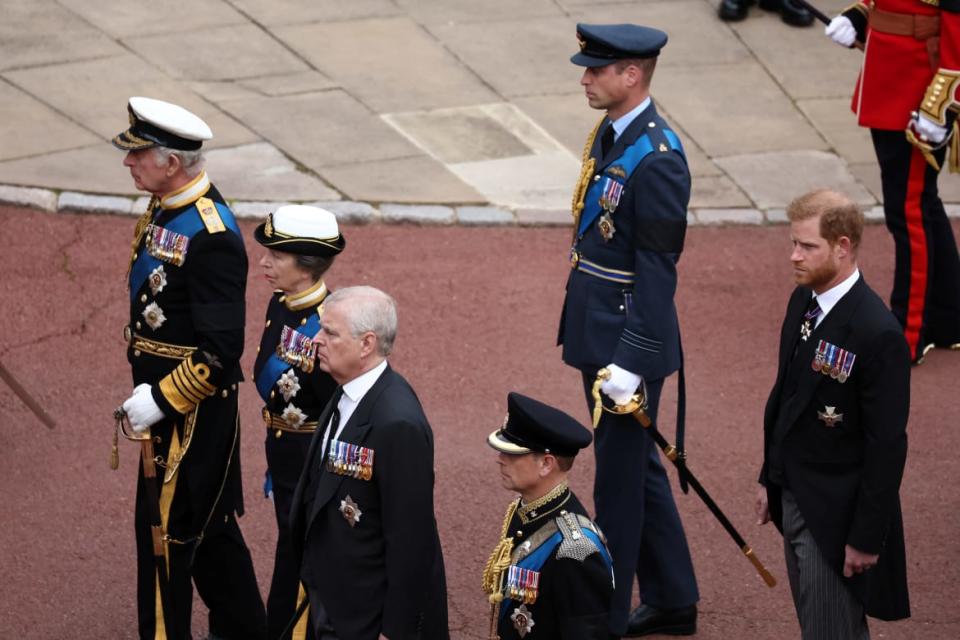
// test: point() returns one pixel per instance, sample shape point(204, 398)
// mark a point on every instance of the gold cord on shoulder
point(586, 173)
point(497, 564)
point(142, 223)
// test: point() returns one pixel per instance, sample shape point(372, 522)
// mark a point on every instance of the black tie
point(606, 140)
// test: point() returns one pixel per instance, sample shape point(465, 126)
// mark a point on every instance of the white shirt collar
point(829, 298)
point(358, 387)
point(620, 124)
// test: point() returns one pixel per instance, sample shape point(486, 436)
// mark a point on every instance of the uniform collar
point(188, 193)
point(311, 297)
point(620, 124)
point(545, 504)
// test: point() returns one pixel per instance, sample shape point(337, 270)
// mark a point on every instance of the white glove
point(141, 409)
point(621, 385)
point(841, 31)
point(929, 130)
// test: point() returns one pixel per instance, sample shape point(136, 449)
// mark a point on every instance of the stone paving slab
point(376, 61)
point(273, 13)
point(834, 120)
point(804, 62)
point(28, 127)
point(260, 171)
point(346, 133)
point(774, 179)
point(734, 109)
point(92, 169)
point(122, 18)
point(67, 87)
point(84, 203)
point(484, 216)
point(218, 53)
point(517, 58)
point(290, 83)
point(414, 179)
point(431, 12)
point(35, 32)
point(717, 191)
point(524, 182)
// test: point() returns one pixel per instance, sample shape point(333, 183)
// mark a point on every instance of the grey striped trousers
point(826, 607)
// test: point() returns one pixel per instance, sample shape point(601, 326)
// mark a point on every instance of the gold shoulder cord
point(498, 562)
point(142, 223)
point(586, 172)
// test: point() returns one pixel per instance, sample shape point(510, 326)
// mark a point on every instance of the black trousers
point(637, 513)
point(285, 458)
point(926, 283)
point(220, 566)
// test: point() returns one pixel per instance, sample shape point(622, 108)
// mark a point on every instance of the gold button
point(651, 124)
point(136, 353)
point(234, 386)
point(283, 298)
point(224, 393)
point(268, 323)
point(226, 518)
point(143, 298)
point(303, 322)
point(596, 178)
point(273, 394)
point(135, 254)
point(258, 348)
point(138, 325)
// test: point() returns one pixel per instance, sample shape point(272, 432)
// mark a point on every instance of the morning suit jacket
point(845, 477)
point(631, 325)
point(385, 574)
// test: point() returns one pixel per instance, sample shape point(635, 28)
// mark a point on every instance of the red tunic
point(897, 70)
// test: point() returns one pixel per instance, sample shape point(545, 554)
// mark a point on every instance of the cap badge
point(268, 226)
point(350, 511)
point(522, 620)
point(830, 417)
point(581, 41)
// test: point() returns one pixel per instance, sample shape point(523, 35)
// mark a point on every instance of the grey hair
point(316, 266)
point(368, 309)
point(191, 161)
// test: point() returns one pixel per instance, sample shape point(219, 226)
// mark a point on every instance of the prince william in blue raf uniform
point(630, 216)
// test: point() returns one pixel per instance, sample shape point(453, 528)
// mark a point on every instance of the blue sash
point(188, 224)
point(275, 365)
point(631, 158)
point(536, 559)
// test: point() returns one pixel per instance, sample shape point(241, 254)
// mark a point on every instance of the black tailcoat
point(846, 477)
point(385, 574)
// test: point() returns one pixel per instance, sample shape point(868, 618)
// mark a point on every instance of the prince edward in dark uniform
point(187, 279)
point(630, 216)
point(550, 575)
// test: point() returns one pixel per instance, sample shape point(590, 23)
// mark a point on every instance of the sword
point(152, 493)
point(637, 407)
point(26, 398)
point(822, 17)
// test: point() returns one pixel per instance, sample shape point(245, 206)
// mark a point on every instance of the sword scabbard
point(762, 570)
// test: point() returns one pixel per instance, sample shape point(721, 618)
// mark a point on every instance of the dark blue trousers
point(636, 511)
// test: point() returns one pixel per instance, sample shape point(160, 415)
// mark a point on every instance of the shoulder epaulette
point(210, 215)
point(575, 543)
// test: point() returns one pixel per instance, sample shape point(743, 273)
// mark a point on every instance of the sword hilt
point(636, 406)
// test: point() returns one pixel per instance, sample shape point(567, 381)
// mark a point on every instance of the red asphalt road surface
point(478, 318)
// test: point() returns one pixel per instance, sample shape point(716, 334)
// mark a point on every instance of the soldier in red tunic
point(910, 79)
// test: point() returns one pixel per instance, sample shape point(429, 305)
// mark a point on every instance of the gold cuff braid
point(942, 96)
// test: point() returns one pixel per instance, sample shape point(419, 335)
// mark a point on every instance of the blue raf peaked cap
point(603, 44)
point(531, 426)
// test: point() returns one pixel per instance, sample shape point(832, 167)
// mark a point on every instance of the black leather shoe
point(790, 12)
point(733, 10)
point(645, 620)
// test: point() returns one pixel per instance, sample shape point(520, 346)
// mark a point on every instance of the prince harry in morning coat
point(835, 440)
point(371, 558)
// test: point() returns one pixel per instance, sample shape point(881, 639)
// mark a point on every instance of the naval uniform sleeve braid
point(216, 284)
point(884, 395)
